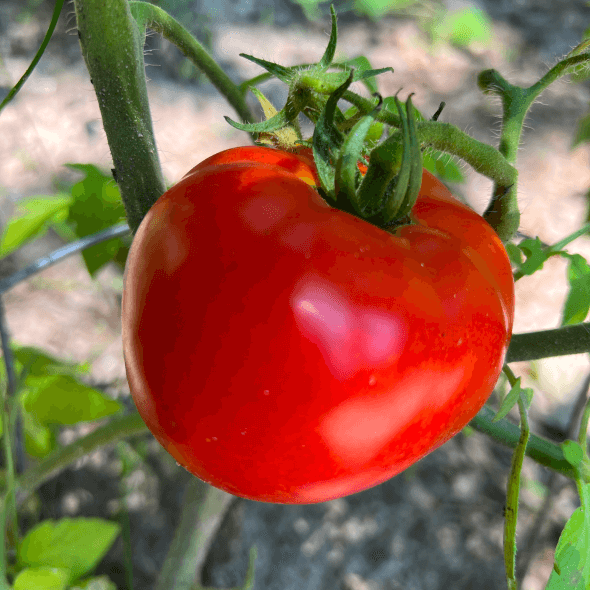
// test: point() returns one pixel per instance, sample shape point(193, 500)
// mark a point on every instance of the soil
point(437, 525)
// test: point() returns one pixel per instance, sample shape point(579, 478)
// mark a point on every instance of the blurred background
point(439, 524)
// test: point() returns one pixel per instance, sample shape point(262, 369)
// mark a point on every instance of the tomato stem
point(149, 15)
point(542, 451)
point(513, 489)
point(112, 46)
point(549, 343)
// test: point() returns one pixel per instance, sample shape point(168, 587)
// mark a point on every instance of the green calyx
point(310, 86)
point(342, 141)
point(388, 190)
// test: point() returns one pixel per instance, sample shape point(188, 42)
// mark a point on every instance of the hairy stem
point(112, 46)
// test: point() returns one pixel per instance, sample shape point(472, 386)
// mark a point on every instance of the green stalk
point(114, 431)
point(149, 15)
point(54, 18)
point(542, 451)
point(112, 46)
point(513, 489)
point(549, 343)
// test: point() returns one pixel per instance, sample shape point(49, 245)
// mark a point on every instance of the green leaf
point(572, 452)
point(514, 253)
point(75, 545)
point(39, 439)
point(571, 570)
point(577, 303)
point(61, 399)
point(38, 363)
point(376, 9)
point(98, 583)
point(512, 398)
point(33, 217)
point(42, 578)
point(463, 27)
point(97, 205)
point(442, 165)
point(536, 256)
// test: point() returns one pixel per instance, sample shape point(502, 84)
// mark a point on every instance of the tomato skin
point(289, 352)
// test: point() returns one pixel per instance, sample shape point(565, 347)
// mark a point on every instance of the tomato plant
point(286, 351)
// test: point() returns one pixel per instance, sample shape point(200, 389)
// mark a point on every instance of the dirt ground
point(55, 120)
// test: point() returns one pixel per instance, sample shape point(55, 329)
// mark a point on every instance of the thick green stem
point(502, 214)
point(148, 15)
point(112, 46)
point(539, 449)
point(548, 343)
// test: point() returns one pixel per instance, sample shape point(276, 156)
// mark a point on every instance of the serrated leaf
point(577, 303)
point(571, 570)
point(62, 399)
point(33, 218)
point(73, 544)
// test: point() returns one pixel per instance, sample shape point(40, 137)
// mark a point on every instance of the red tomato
point(285, 351)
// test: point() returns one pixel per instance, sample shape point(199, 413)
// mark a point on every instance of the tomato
point(286, 351)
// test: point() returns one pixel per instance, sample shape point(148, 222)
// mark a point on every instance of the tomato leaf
point(73, 544)
point(512, 399)
point(62, 399)
point(40, 439)
point(577, 303)
point(572, 452)
point(97, 206)
point(42, 578)
point(33, 217)
point(463, 27)
point(571, 570)
point(536, 256)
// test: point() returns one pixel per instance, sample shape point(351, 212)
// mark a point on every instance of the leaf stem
point(14, 90)
point(149, 15)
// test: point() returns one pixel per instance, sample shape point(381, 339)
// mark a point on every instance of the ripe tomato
point(285, 351)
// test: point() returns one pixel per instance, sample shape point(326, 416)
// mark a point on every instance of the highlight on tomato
point(284, 350)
